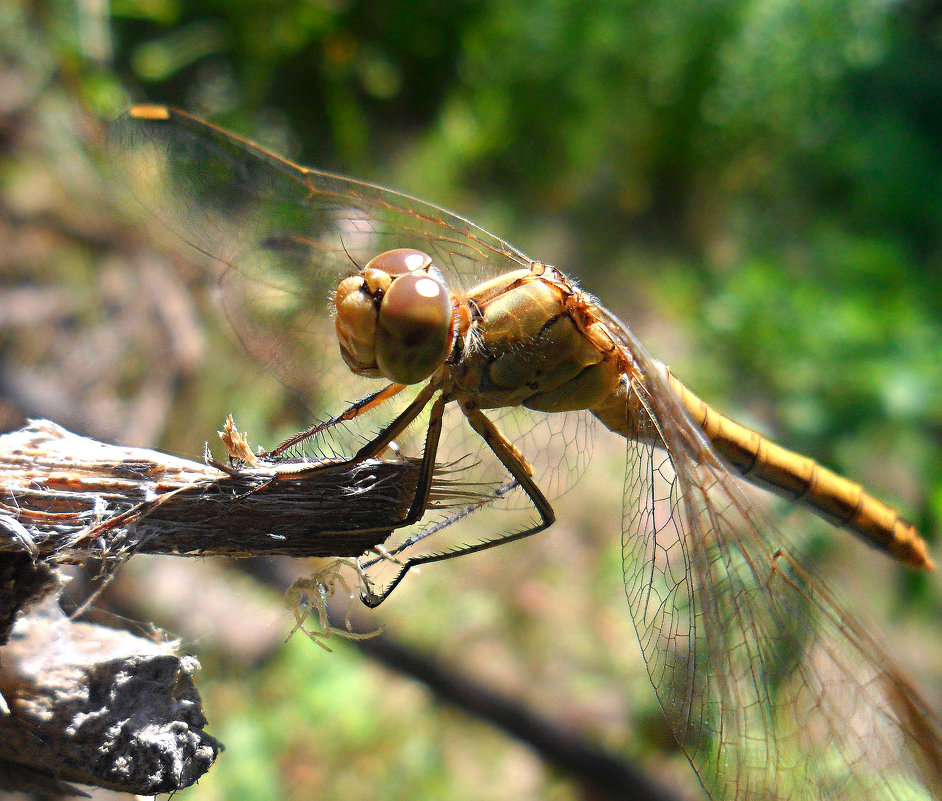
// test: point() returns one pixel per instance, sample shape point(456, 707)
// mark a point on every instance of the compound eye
point(415, 328)
point(355, 322)
point(401, 261)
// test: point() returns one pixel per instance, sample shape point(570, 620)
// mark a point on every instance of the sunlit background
point(755, 186)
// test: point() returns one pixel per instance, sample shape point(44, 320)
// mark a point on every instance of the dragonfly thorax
point(537, 344)
point(394, 319)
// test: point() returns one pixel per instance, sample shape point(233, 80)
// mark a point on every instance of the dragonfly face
point(395, 319)
point(772, 688)
point(527, 338)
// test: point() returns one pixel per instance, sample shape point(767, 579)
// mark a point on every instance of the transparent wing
point(292, 232)
point(330, 219)
point(275, 240)
point(558, 446)
point(771, 687)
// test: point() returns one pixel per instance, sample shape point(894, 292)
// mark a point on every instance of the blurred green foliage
point(766, 173)
point(755, 184)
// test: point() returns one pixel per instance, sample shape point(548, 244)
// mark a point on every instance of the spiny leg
point(517, 466)
point(426, 473)
point(426, 468)
point(353, 411)
point(312, 593)
point(372, 448)
point(453, 518)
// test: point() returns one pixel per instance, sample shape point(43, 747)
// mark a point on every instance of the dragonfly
point(772, 688)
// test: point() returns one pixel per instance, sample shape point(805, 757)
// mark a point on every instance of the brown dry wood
point(98, 706)
point(91, 705)
point(65, 499)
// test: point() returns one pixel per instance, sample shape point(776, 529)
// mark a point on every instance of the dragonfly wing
point(770, 686)
point(248, 196)
point(276, 238)
point(558, 447)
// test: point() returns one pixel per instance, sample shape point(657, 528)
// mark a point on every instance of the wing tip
point(149, 111)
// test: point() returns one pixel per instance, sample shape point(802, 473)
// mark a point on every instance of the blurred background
point(754, 186)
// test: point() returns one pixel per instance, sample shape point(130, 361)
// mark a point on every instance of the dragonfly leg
point(426, 473)
point(353, 411)
point(376, 445)
point(427, 468)
point(518, 468)
point(383, 555)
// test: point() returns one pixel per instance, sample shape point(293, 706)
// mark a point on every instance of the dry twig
point(92, 705)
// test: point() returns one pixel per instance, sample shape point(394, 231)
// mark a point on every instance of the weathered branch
point(92, 705)
point(65, 499)
point(98, 706)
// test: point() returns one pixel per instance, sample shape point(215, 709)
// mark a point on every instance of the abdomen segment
point(795, 477)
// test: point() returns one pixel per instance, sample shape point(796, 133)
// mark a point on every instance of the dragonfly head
point(394, 319)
